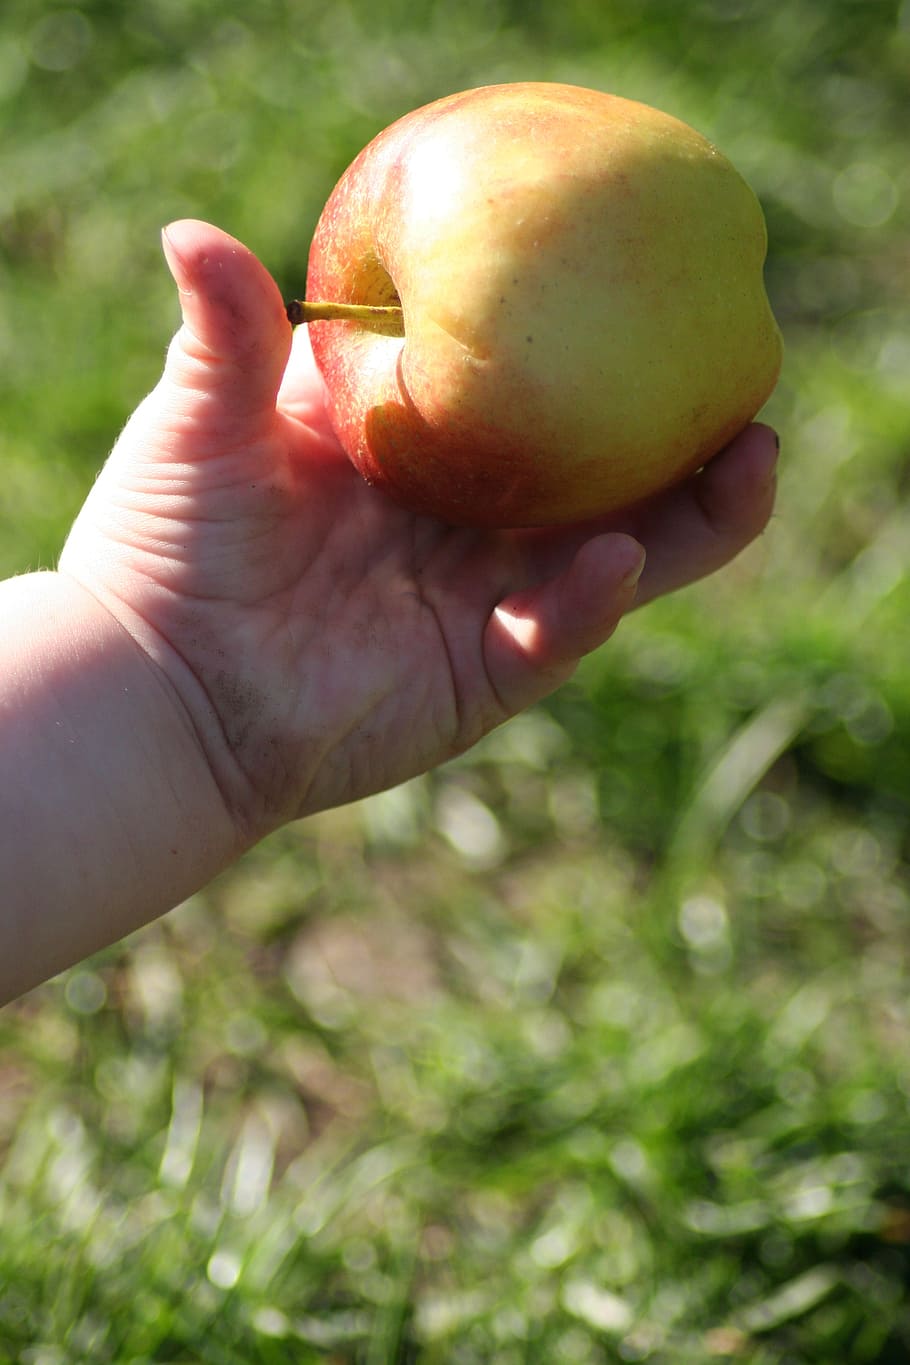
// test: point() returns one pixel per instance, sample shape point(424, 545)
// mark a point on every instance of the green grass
point(594, 1046)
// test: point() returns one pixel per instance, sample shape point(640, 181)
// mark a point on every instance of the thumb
point(226, 362)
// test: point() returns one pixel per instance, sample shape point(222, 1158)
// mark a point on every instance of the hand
point(324, 643)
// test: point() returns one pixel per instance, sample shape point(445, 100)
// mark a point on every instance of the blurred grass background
point(594, 1046)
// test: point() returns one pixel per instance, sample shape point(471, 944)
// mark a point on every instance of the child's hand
point(323, 642)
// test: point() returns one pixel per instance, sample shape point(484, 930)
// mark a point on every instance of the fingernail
point(175, 262)
point(771, 473)
point(631, 576)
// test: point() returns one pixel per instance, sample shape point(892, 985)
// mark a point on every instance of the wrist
point(110, 813)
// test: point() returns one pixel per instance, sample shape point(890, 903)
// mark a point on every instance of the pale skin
point(240, 632)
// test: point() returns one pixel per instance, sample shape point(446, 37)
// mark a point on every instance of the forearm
point(109, 815)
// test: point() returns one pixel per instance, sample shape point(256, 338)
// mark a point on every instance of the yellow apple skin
point(585, 317)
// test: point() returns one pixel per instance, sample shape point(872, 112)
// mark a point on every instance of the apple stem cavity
point(300, 310)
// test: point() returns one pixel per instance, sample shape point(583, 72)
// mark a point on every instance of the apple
point(559, 305)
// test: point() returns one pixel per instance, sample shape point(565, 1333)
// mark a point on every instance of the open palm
point(323, 642)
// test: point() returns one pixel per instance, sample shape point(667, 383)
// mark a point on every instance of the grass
point(592, 1046)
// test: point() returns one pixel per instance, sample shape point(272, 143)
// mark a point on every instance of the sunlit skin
point(584, 314)
point(242, 632)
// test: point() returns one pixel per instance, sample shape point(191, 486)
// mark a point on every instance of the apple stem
point(299, 310)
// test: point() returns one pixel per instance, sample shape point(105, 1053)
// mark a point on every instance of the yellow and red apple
point(583, 317)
